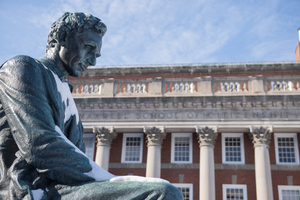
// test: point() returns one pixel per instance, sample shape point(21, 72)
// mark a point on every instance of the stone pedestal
point(154, 138)
point(206, 139)
point(104, 138)
point(261, 140)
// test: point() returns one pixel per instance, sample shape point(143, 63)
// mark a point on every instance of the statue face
point(79, 51)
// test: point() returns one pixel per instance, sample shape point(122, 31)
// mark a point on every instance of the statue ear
point(62, 38)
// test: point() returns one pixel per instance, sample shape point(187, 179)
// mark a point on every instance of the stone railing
point(280, 85)
point(202, 86)
point(85, 88)
point(180, 87)
point(236, 85)
point(131, 87)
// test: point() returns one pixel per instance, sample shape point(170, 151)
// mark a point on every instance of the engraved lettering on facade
point(273, 115)
point(161, 115)
point(190, 115)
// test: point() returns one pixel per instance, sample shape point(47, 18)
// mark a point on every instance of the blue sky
point(142, 32)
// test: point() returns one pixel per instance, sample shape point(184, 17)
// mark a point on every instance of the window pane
point(290, 194)
point(233, 150)
point(133, 149)
point(89, 147)
point(286, 150)
point(182, 149)
point(234, 193)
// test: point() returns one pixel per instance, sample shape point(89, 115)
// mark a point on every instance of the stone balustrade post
point(206, 139)
point(261, 140)
point(108, 88)
point(204, 85)
point(258, 86)
point(154, 138)
point(155, 86)
point(104, 138)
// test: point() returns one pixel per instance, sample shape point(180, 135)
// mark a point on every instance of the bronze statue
point(41, 145)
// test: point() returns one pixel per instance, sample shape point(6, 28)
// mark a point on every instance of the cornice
point(199, 69)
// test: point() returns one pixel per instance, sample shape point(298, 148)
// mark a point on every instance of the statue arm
point(24, 91)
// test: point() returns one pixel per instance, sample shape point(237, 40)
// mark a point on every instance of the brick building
point(230, 131)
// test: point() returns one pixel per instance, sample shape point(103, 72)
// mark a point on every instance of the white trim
point(235, 186)
point(190, 135)
point(185, 185)
point(286, 135)
point(286, 187)
point(241, 136)
point(93, 136)
point(125, 135)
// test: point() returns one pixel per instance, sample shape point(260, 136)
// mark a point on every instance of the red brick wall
point(116, 149)
point(218, 149)
point(243, 177)
point(272, 150)
point(190, 176)
point(196, 149)
point(249, 150)
point(166, 149)
point(297, 52)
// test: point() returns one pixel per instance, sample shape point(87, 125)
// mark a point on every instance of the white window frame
point(125, 135)
point(185, 185)
point(284, 135)
point(235, 186)
point(90, 136)
point(286, 187)
point(241, 136)
point(190, 135)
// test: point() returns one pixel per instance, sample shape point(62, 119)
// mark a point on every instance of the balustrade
point(205, 86)
point(180, 87)
point(231, 86)
point(87, 89)
point(132, 88)
point(283, 85)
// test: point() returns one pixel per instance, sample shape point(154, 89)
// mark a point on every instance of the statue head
point(74, 42)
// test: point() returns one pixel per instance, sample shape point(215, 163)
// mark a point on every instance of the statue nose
point(92, 60)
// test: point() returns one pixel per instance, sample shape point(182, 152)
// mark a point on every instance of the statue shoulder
point(22, 63)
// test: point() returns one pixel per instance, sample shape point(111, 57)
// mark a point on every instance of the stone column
point(261, 140)
point(206, 139)
point(154, 138)
point(104, 138)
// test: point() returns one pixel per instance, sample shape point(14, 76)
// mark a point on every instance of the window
point(286, 147)
point(181, 150)
point(132, 148)
point(289, 192)
point(233, 148)
point(89, 141)
point(234, 192)
point(186, 190)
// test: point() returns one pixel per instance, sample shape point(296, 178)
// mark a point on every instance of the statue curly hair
point(74, 23)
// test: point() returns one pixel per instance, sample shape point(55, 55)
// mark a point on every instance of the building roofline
point(194, 66)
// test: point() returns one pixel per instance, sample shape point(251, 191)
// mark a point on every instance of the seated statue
point(41, 139)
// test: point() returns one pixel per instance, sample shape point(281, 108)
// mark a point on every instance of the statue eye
point(88, 48)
